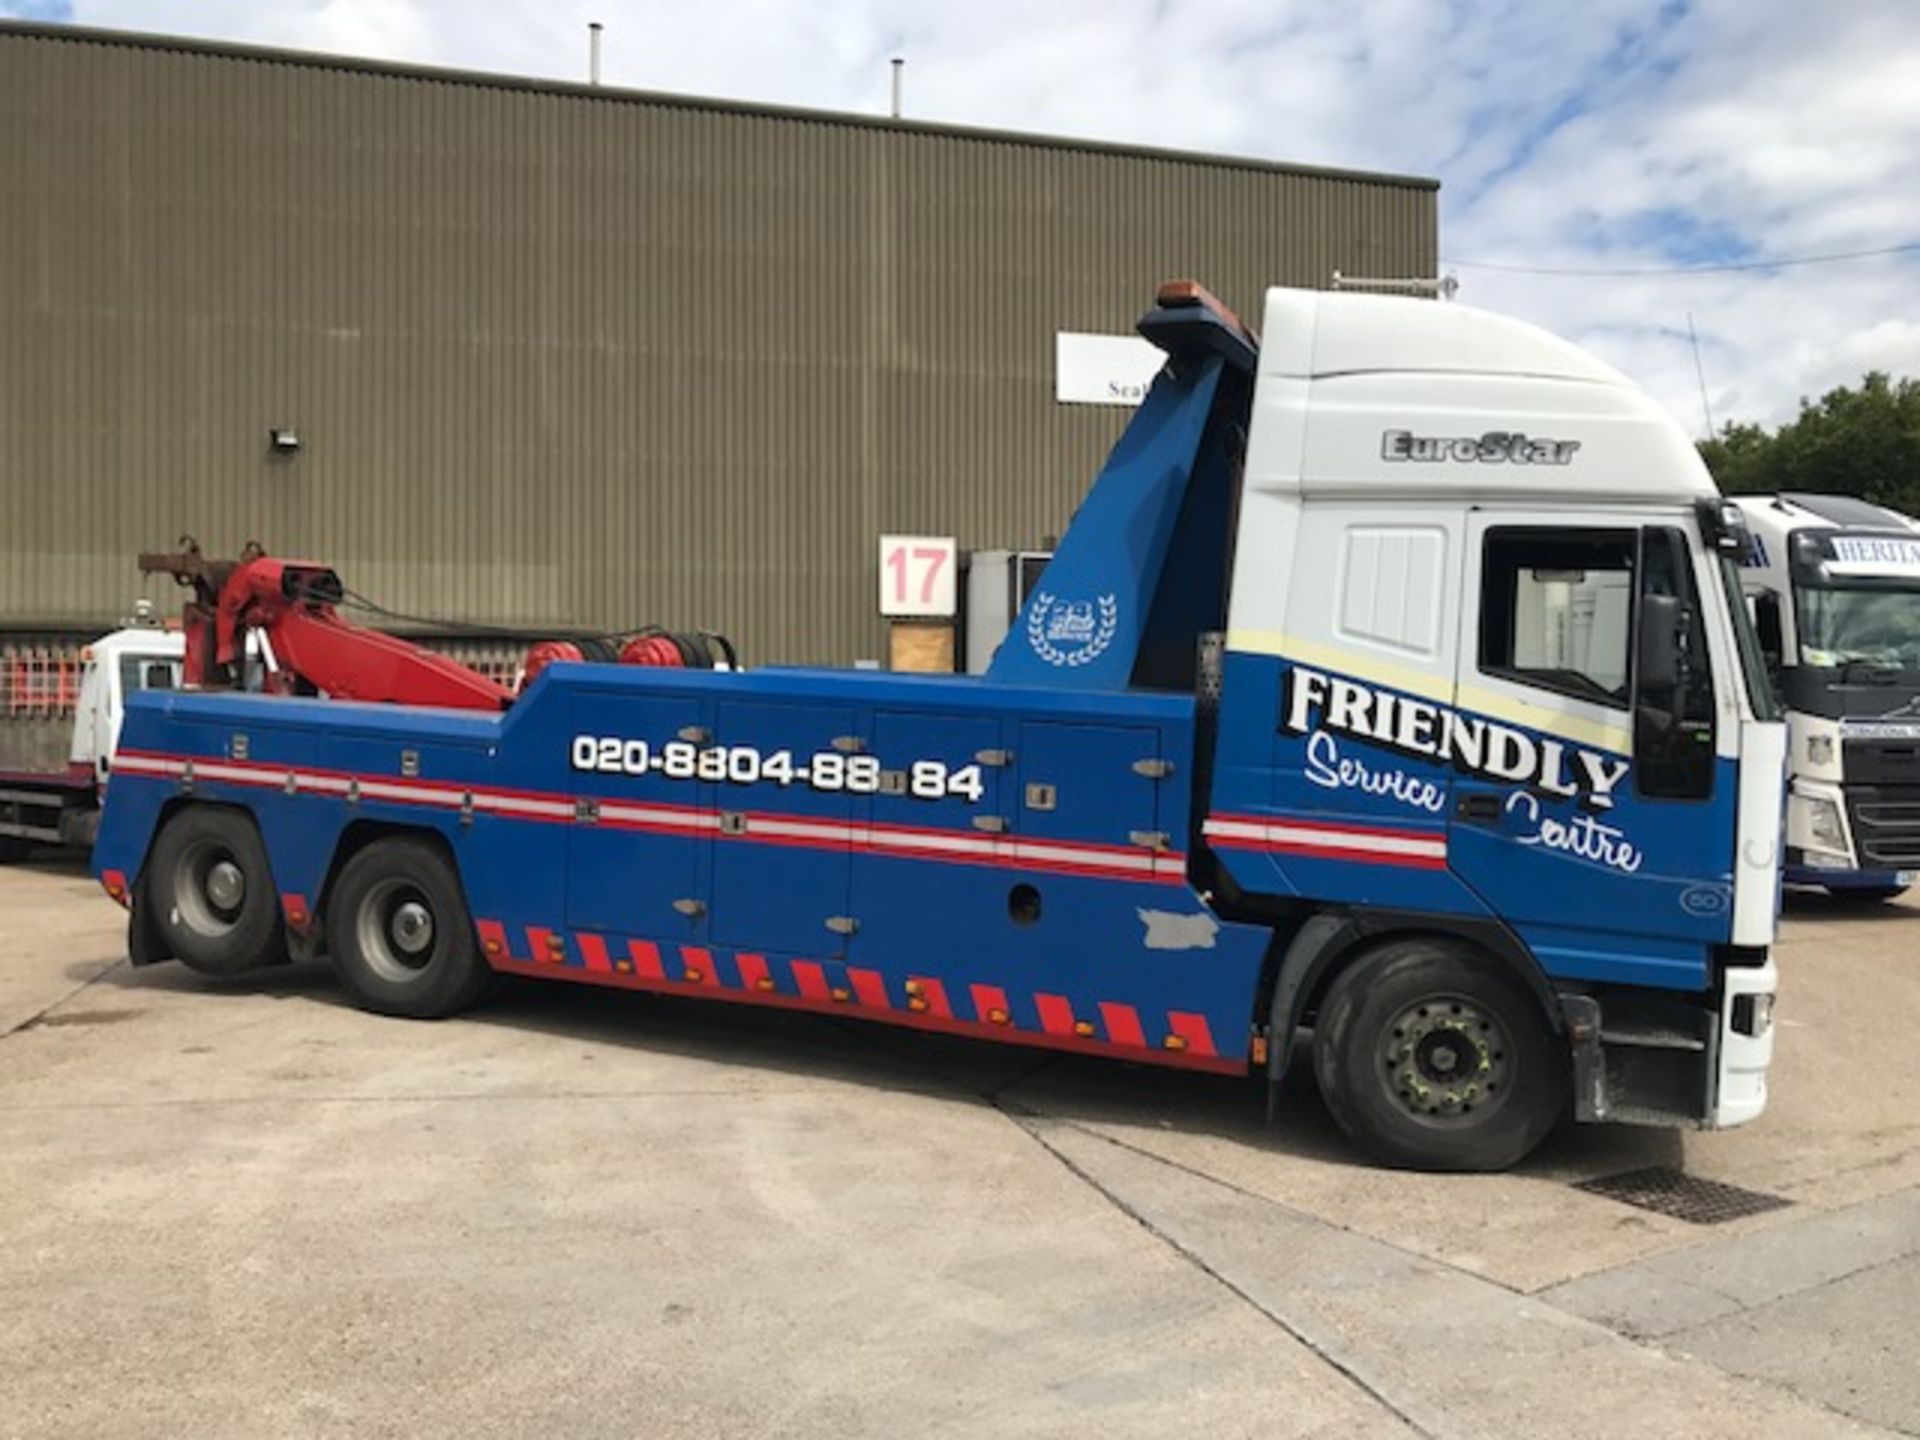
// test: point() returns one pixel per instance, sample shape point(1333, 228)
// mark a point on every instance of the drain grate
point(1667, 1191)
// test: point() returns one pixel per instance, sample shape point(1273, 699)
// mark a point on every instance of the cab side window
point(148, 672)
point(1556, 609)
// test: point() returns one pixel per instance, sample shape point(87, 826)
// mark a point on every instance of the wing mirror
point(1661, 661)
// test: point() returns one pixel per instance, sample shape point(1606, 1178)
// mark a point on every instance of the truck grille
point(1881, 762)
point(1886, 826)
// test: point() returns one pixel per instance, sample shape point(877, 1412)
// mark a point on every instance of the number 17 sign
point(916, 575)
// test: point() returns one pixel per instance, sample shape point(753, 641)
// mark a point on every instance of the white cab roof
point(1379, 395)
point(142, 639)
point(1782, 514)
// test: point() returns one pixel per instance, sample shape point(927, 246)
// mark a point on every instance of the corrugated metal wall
point(570, 357)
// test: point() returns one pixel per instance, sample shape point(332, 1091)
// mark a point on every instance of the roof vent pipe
point(899, 69)
point(593, 52)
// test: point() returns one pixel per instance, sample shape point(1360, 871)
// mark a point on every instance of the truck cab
point(115, 666)
point(1487, 670)
point(1834, 586)
point(50, 796)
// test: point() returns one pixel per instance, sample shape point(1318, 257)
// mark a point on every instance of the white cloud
point(1609, 132)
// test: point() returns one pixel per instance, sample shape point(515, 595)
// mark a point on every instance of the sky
point(1597, 134)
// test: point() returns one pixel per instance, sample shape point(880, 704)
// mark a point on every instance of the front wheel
point(1431, 1057)
point(402, 939)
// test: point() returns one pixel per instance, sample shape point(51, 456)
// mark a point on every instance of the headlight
point(1824, 824)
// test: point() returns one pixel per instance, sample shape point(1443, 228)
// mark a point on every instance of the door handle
point(1480, 809)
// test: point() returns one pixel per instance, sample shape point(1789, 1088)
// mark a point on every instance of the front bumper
point(1746, 1044)
point(1674, 1060)
point(1821, 877)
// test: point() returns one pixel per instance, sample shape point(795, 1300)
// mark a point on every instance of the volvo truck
point(1834, 585)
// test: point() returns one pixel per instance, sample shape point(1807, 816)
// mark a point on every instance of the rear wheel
point(1431, 1057)
point(211, 893)
point(402, 938)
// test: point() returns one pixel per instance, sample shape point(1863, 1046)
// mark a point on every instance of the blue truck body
point(555, 893)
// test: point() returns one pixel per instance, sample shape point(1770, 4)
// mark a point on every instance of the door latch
point(1482, 809)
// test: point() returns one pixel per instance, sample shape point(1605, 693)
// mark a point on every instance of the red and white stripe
point(436, 794)
point(1088, 858)
point(1328, 840)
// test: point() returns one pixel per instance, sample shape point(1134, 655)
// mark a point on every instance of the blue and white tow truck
point(1391, 684)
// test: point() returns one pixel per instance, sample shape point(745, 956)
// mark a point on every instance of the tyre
point(1429, 1056)
point(13, 850)
point(403, 941)
point(211, 893)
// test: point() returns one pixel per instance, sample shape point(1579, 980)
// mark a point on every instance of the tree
point(1863, 442)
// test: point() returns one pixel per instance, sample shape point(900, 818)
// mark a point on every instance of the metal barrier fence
point(39, 676)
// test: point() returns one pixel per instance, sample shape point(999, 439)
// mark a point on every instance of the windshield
point(1843, 626)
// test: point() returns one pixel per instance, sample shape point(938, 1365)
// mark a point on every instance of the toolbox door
point(782, 854)
point(633, 850)
point(929, 887)
point(1092, 784)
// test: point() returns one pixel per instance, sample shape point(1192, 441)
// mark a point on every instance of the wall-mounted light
point(283, 442)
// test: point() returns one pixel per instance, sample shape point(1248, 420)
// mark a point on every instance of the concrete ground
point(246, 1209)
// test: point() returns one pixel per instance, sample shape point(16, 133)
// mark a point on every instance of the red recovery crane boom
point(293, 603)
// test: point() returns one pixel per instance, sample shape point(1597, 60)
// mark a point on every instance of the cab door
point(1592, 812)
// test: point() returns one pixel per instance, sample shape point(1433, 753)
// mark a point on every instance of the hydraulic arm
point(294, 605)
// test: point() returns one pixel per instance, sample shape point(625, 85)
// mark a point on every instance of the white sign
point(916, 576)
point(1875, 555)
point(1103, 369)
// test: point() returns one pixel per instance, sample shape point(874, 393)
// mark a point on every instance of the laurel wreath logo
point(1109, 625)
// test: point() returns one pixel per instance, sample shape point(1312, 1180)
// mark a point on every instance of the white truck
point(50, 792)
point(1834, 585)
